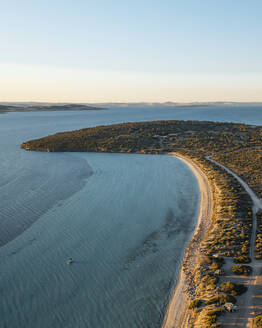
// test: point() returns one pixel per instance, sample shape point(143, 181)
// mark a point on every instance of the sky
point(130, 51)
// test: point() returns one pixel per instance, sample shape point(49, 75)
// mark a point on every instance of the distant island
point(223, 262)
point(7, 108)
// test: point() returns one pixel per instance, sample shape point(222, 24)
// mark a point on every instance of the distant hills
point(178, 104)
point(6, 107)
point(34, 107)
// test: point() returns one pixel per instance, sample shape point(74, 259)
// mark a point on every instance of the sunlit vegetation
point(241, 269)
point(258, 250)
point(195, 304)
point(221, 298)
point(238, 159)
point(233, 288)
point(258, 321)
point(242, 259)
point(232, 215)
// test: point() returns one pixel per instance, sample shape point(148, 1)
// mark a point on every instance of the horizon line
point(225, 102)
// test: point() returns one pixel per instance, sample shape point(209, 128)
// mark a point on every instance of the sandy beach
point(177, 314)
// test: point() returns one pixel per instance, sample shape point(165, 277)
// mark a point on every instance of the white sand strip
point(178, 315)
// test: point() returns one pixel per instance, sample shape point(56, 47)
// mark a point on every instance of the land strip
point(227, 244)
point(43, 108)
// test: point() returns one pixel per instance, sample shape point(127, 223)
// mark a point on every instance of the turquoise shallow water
point(125, 219)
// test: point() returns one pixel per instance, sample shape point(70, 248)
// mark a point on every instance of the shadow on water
point(37, 189)
point(80, 262)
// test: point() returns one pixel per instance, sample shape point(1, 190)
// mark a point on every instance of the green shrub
point(216, 312)
point(242, 259)
point(217, 263)
point(194, 304)
point(205, 260)
point(221, 298)
point(214, 266)
point(242, 269)
point(233, 288)
point(209, 279)
point(258, 321)
point(210, 319)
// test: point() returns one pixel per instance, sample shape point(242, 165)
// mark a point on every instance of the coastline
point(178, 313)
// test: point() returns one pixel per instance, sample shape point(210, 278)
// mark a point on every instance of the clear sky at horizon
point(147, 50)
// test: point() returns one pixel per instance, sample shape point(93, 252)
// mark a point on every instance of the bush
point(216, 312)
point(258, 251)
point(242, 269)
point(232, 288)
point(210, 319)
point(242, 259)
point(205, 260)
point(214, 266)
point(217, 263)
point(219, 260)
point(209, 279)
point(258, 321)
point(221, 298)
point(194, 304)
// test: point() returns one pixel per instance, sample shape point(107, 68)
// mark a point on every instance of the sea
point(125, 219)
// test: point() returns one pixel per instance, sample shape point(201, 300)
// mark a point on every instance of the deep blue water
point(125, 219)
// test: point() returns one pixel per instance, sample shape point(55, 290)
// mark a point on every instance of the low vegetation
point(258, 250)
point(195, 304)
point(233, 288)
point(221, 298)
point(241, 269)
point(242, 259)
point(258, 321)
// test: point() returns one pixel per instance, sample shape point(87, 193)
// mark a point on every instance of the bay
point(124, 218)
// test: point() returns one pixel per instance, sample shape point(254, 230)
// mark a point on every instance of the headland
point(45, 107)
point(219, 261)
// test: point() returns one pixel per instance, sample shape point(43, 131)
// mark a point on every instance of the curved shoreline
point(177, 314)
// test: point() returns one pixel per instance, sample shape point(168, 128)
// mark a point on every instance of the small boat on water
point(69, 261)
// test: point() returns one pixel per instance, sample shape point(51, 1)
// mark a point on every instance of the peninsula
point(27, 107)
point(223, 261)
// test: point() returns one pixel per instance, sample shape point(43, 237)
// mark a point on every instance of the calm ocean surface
point(124, 218)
